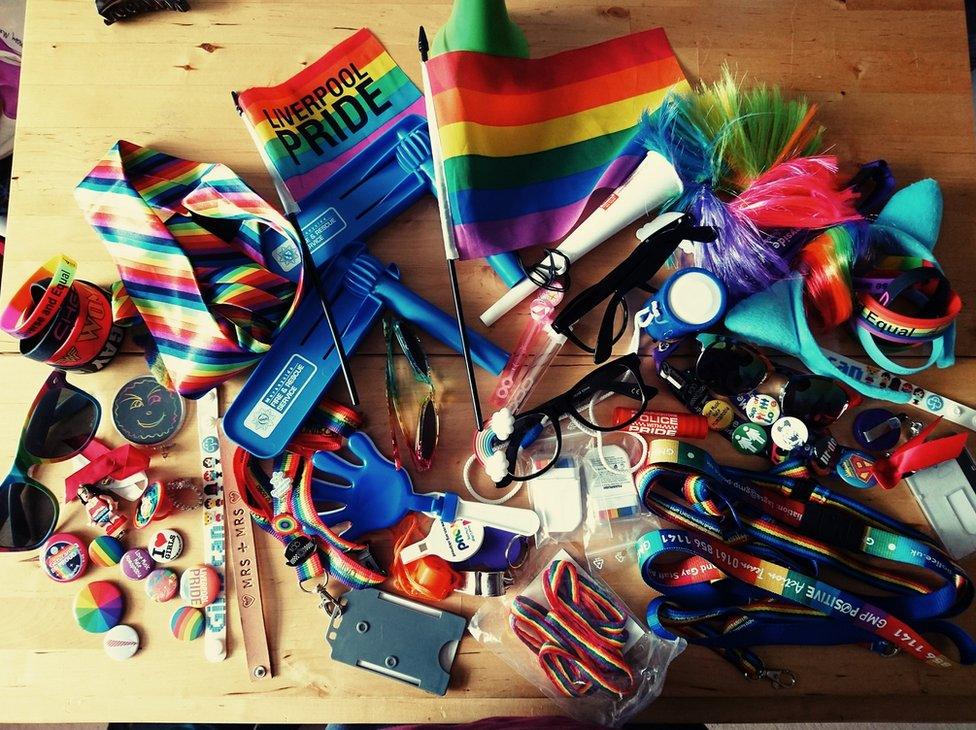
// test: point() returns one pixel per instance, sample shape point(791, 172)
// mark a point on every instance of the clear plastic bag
point(644, 656)
point(564, 495)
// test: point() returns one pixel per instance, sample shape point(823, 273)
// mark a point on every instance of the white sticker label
point(453, 541)
point(326, 226)
point(277, 399)
point(287, 256)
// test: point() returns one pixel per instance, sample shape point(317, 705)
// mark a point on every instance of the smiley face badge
point(146, 413)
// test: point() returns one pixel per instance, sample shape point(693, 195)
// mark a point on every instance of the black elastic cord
point(633, 272)
point(547, 275)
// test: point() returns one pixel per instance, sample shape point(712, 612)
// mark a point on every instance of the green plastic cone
point(483, 26)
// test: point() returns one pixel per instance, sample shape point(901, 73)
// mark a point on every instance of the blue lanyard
point(800, 528)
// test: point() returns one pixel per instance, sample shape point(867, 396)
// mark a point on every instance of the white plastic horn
point(651, 184)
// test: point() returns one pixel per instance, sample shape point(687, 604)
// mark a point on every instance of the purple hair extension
point(739, 256)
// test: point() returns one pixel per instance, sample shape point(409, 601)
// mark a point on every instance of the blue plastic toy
point(369, 191)
point(374, 495)
point(291, 378)
point(362, 197)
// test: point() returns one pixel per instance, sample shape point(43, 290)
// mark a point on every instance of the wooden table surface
point(892, 81)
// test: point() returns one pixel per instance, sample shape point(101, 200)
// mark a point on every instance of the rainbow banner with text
point(309, 126)
point(529, 145)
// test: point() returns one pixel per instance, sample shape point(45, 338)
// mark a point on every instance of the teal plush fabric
point(908, 225)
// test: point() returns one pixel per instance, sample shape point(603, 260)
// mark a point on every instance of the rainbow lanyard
point(579, 638)
point(748, 545)
point(192, 244)
point(283, 507)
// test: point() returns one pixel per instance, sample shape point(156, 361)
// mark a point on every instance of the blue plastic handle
point(438, 324)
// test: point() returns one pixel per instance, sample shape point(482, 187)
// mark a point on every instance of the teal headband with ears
point(909, 226)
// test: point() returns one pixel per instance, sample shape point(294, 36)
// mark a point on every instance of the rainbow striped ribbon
point(579, 638)
point(282, 506)
point(191, 242)
point(738, 572)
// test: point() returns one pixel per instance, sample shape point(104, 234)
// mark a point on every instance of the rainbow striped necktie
point(191, 242)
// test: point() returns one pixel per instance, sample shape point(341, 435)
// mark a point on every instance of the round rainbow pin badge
point(99, 606)
point(187, 623)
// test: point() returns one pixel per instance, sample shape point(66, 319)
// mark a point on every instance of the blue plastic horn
point(367, 193)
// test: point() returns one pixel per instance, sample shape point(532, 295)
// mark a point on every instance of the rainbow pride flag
point(307, 127)
point(529, 146)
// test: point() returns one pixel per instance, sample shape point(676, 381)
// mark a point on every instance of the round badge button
point(762, 409)
point(99, 606)
point(162, 585)
point(121, 642)
point(749, 438)
point(187, 623)
point(789, 433)
point(146, 413)
point(137, 564)
point(877, 429)
point(154, 504)
point(64, 557)
point(199, 586)
point(105, 551)
point(719, 414)
point(165, 546)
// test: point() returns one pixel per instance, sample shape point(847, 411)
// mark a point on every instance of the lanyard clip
point(778, 678)
point(327, 602)
point(364, 556)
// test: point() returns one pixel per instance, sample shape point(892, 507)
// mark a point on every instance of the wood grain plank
point(891, 79)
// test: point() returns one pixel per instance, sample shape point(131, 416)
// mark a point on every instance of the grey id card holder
point(397, 638)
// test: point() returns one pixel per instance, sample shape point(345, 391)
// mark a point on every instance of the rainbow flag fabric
point(529, 146)
point(307, 127)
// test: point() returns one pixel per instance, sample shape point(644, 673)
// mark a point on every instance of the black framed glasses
point(61, 422)
point(589, 403)
point(634, 272)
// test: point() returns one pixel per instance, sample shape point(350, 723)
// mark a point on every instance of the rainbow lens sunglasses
point(61, 422)
point(410, 394)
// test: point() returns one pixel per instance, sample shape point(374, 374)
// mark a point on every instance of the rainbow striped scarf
point(531, 145)
point(190, 241)
point(307, 127)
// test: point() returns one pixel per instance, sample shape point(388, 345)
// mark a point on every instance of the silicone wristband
point(880, 320)
point(23, 317)
point(42, 346)
point(92, 332)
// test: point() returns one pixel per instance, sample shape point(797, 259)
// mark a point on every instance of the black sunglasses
point(587, 404)
point(733, 368)
point(634, 272)
point(61, 422)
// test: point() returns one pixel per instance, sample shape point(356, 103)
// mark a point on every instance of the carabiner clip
point(779, 678)
point(327, 602)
